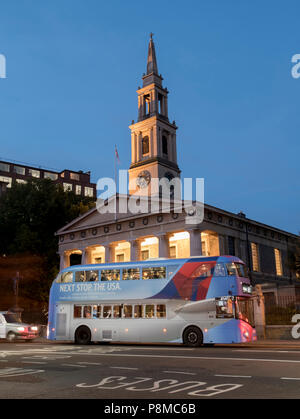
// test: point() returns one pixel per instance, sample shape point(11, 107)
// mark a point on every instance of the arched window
point(145, 145)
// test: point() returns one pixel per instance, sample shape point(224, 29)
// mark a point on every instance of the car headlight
point(21, 329)
point(34, 328)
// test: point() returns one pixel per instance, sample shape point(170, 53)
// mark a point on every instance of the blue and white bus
point(195, 301)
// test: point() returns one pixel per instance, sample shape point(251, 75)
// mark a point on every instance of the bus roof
point(153, 262)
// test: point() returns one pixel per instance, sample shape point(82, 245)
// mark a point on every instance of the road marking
point(33, 362)
point(124, 368)
point(233, 376)
point(211, 358)
point(179, 372)
point(290, 378)
point(73, 365)
point(89, 363)
point(14, 372)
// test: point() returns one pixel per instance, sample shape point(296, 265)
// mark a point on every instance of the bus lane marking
point(170, 385)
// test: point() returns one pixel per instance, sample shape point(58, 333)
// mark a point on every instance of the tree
point(30, 214)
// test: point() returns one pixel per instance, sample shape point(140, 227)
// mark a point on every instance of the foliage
point(30, 214)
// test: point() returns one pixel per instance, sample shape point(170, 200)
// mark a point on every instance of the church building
point(105, 237)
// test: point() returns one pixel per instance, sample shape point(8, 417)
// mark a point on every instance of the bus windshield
point(244, 310)
point(237, 269)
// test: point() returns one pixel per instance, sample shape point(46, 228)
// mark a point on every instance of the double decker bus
point(194, 301)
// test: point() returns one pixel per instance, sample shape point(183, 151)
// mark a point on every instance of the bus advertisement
point(194, 301)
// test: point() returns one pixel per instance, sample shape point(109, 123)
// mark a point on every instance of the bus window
point(127, 312)
point(96, 312)
point(77, 312)
point(110, 275)
point(149, 311)
point(91, 275)
point(220, 270)
point(154, 273)
point(160, 310)
point(117, 312)
point(138, 312)
point(87, 312)
point(131, 273)
point(224, 308)
point(242, 270)
point(79, 276)
point(231, 269)
point(107, 312)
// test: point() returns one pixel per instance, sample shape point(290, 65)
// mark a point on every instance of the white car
point(11, 328)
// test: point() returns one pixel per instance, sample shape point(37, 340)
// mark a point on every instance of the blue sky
point(73, 67)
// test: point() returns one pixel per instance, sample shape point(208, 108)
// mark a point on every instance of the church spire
point(152, 75)
point(151, 60)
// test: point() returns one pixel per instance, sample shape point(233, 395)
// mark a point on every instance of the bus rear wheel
point(83, 335)
point(192, 336)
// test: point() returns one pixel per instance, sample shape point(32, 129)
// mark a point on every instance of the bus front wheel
point(192, 336)
point(83, 335)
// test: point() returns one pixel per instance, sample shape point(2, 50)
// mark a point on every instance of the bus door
point(62, 321)
point(2, 327)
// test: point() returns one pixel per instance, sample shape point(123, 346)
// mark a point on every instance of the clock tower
point(153, 137)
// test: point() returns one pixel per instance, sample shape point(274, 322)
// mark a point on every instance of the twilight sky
point(73, 67)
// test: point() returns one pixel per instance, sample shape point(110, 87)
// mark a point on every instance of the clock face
point(143, 179)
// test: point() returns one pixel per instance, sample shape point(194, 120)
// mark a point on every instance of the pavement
point(261, 343)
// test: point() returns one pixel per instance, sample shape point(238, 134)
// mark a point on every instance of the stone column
point(64, 260)
point(195, 242)
point(163, 245)
point(134, 250)
point(86, 257)
point(222, 246)
point(108, 253)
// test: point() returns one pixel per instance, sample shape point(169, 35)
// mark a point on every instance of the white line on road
point(212, 358)
point(33, 362)
point(233, 376)
point(89, 363)
point(180, 372)
point(73, 365)
point(290, 378)
point(124, 368)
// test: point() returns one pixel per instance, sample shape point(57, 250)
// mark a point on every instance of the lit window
point(110, 275)
point(21, 181)
point(49, 175)
point(154, 273)
point(88, 191)
point(19, 170)
point(127, 312)
point(67, 187)
point(160, 310)
point(34, 173)
point(7, 180)
point(4, 167)
point(255, 257)
point(74, 176)
point(278, 262)
point(131, 273)
point(149, 311)
point(78, 189)
point(145, 254)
